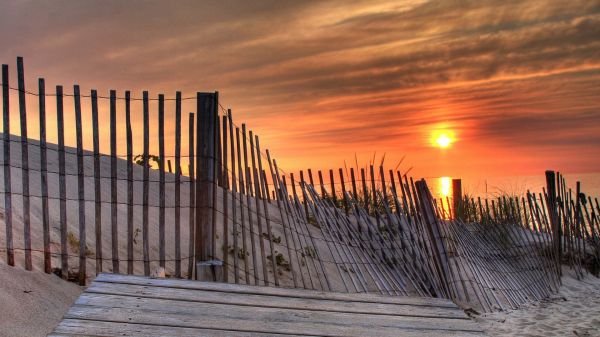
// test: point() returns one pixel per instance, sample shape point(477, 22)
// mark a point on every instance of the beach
point(573, 311)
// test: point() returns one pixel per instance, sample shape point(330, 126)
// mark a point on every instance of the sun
point(442, 138)
point(443, 141)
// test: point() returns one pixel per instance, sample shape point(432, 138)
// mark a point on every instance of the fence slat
point(80, 187)
point(323, 192)
point(242, 192)
point(114, 224)
point(161, 179)
point(345, 197)
point(97, 182)
point(10, 253)
point(353, 178)
point(257, 197)
point(64, 253)
point(192, 197)
point(146, 168)
point(236, 266)
point(129, 136)
point(225, 204)
point(304, 195)
point(217, 172)
point(205, 175)
point(249, 205)
point(264, 189)
point(24, 164)
point(44, 177)
point(177, 184)
point(332, 181)
point(291, 245)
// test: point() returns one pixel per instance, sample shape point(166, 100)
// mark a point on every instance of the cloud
point(348, 75)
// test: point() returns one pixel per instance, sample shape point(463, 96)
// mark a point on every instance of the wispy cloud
point(321, 80)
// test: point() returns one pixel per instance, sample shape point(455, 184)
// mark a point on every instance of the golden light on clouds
point(442, 83)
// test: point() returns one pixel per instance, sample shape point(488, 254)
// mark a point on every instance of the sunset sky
point(514, 84)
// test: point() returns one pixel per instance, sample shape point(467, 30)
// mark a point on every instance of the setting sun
point(443, 141)
point(442, 138)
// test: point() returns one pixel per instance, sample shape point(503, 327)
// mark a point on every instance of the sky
point(514, 84)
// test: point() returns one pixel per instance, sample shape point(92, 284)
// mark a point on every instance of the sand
point(574, 311)
point(32, 302)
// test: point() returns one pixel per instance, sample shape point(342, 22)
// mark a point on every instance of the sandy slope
point(32, 302)
point(73, 219)
point(574, 311)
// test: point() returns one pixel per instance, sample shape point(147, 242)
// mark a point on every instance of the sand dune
point(574, 311)
point(32, 302)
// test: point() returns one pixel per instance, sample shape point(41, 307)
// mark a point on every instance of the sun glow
point(442, 138)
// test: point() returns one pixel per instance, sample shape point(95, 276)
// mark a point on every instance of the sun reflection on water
point(445, 186)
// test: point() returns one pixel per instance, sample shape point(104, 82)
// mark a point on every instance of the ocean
point(491, 187)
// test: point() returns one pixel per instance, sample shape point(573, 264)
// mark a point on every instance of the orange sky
point(518, 83)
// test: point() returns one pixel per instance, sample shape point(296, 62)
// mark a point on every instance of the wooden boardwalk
point(120, 305)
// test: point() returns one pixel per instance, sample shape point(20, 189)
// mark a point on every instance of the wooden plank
point(192, 185)
point(161, 180)
point(24, 165)
point(80, 186)
point(114, 224)
point(177, 184)
point(146, 185)
point(267, 320)
point(80, 328)
point(129, 135)
point(281, 302)
point(44, 176)
point(273, 291)
point(10, 253)
point(62, 186)
point(97, 182)
point(299, 313)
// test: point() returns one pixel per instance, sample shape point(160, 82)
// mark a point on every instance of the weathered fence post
point(207, 268)
point(44, 177)
point(456, 197)
point(10, 253)
point(553, 217)
point(24, 165)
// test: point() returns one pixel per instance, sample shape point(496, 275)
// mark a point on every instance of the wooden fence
point(372, 230)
